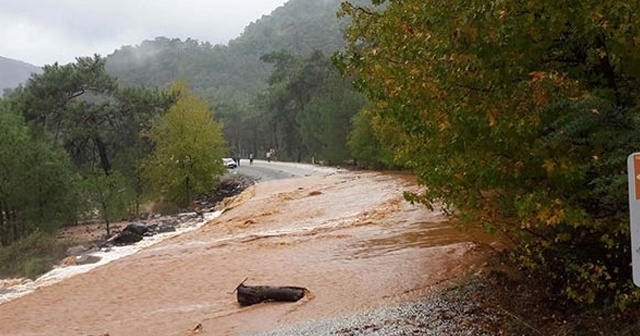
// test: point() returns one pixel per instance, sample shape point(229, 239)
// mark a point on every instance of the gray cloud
point(48, 31)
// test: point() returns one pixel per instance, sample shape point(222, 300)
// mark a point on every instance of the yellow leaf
point(549, 166)
point(492, 120)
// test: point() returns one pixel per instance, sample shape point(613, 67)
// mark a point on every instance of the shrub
point(31, 256)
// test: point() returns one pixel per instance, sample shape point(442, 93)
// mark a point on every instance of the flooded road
point(348, 237)
point(261, 170)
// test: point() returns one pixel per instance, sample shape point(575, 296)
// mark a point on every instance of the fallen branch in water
point(249, 295)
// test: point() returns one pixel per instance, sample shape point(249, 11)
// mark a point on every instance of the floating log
point(249, 295)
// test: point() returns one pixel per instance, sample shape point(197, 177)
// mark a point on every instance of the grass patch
point(31, 256)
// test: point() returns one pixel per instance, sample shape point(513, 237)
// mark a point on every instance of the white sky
point(46, 31)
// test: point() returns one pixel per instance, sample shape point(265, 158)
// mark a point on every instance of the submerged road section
point(349, 237)
point(265, 171)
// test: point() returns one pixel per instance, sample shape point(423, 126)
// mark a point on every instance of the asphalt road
point(266, 171)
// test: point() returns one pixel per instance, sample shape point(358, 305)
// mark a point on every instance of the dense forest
point(516, 116)
point(519, 117)
point(98, 138)
point(238, 79)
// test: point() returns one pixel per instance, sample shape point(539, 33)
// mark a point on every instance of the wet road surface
point(265, 171)
point(348, 237)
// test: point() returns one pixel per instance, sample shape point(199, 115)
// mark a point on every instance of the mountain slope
point(234, 71)
point(14, 72)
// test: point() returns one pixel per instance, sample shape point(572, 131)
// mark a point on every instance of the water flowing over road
point(265, 171)
point(349, 237)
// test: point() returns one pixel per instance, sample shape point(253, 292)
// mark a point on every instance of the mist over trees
point(233, 70)
point(236, 79)
point(516, 116)
point(101, 128)
point(14, 72)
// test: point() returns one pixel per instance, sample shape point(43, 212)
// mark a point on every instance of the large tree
point(70, 104)
point(518, 115)
point(189, 146)
point(80, 107)
point(325, 122)
point(308, 107)
point(37, 183)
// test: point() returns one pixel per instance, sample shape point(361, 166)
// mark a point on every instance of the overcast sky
point(46, 31)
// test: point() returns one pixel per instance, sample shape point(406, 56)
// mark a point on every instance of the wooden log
point(249, 295)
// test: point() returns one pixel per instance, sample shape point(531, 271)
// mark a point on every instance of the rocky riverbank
point(93, 248)
point(150, 224)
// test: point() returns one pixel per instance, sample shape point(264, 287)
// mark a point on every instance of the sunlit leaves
point(505, 105)
point(189, 146)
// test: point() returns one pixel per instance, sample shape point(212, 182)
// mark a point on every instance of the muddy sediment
point(349, 238)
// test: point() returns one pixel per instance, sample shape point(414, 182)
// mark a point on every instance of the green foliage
point(138, 107)
point(189, 146)
point(363, 140)
point(79, 106)
point(325, 121)
point(309, 107)
point(31, 256)
point(107, 196)
point(37, 189)
point(519, 117)
point(71, 104)
point(233, 78)
point(219, 72)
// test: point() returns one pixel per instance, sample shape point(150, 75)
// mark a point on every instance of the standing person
point(269, 156)
point(250, 158)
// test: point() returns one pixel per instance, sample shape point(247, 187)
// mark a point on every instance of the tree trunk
point(105, 216)
point(249, 295)
point(187, 185)
point(104, 159)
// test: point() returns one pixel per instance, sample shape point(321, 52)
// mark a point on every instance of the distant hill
point(232, 71)
point(14, 72)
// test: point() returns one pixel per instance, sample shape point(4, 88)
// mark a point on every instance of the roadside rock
point(69, 261)
point(149, 224)
point(137, 228)
point(76, 250)
point(80, 260)
point(123, 238)
point(228, 187)
point(157, 228)
point(87, 259)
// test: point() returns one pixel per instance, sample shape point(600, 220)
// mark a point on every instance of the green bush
point(31, 256)
point(518, 117)
point(34, 267)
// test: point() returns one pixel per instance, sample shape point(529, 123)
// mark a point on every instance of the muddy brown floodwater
point(348, 237)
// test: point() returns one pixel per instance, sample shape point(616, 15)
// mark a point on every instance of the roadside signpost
point(633, 169)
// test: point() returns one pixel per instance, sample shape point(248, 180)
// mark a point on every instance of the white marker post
point(633, 169)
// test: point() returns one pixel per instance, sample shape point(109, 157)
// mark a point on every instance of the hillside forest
point(516, 116)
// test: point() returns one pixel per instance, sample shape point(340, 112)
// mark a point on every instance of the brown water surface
point(349, 238)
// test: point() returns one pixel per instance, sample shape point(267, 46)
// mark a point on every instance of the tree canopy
point(189, 147)
point(519, 117)
point(36, 181)
point(69, 125)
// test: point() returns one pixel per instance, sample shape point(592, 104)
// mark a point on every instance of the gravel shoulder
point(441, 313)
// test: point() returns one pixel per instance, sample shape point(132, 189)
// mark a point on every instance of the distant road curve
point(266, 171)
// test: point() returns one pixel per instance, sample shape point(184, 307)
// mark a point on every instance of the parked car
point(229, 163)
